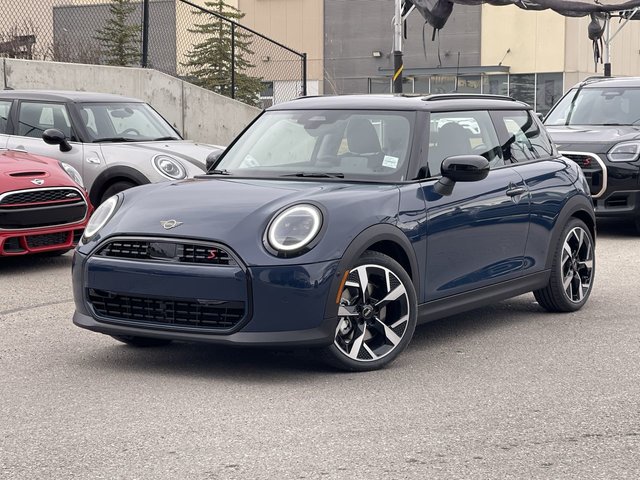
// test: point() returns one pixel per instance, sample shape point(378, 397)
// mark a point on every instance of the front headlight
point(169, 167)
point(624, 152)
point(73, 173)
point(100, 217)
point(294, 228)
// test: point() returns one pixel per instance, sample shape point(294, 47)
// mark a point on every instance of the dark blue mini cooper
point(341, 223)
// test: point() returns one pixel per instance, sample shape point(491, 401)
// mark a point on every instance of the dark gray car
point(114, 142)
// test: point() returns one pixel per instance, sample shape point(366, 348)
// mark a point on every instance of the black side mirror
point(212, 159)
point(461, 168)
point(53, 136)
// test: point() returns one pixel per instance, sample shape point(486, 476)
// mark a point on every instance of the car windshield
point(597, 106)
point(124, 122)
point(353, 144)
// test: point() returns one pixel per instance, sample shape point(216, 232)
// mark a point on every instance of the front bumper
point(283, 305)
point(40, 240)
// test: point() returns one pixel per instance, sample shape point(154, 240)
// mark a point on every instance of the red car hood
point(21, 171)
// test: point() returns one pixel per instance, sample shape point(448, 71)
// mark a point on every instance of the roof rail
point(449, 96)
point(596, 78)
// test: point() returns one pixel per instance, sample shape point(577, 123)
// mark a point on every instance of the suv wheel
point(376, 316)
point(572, 270)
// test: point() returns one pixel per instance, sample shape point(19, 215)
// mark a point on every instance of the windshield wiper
point(314, 175)
point(114, 139)
point(159, 139)
point(219, 172)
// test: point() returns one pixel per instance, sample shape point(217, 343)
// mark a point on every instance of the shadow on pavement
point(28, 263)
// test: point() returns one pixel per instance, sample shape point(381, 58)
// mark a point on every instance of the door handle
point(515, 191)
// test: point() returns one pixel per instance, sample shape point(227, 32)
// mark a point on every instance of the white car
point(114, 142)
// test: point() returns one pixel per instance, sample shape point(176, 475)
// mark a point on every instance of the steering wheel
point(131, 131)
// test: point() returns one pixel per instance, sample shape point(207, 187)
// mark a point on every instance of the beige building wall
point(299, 24)
point(535, 39)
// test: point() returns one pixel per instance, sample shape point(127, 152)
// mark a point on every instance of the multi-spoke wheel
point(572, 271)
point(376, 315)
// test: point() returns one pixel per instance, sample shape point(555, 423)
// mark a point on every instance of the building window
point(548, 91)
point(379, 85)
point(495, 84)
point(421, 85)
point(469, 84)
point(523, 87)
point(443, 84)
point(266, 96)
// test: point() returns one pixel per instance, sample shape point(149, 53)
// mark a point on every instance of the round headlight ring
point(100, 217)
point(169, 167)
point(311, 211)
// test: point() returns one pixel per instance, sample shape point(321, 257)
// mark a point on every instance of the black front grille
point(41, 196)
point(591, 169)
point(167, 251)
point(47, 240)
point(42, 215)
point(167, 312)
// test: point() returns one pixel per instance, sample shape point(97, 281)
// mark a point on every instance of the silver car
point(114, 142)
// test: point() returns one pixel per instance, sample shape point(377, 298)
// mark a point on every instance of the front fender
point(360, 244)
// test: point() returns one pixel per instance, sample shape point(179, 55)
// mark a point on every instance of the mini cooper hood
point(236, 212)
point(593, 138)
point(21, 171)
point(193, 153)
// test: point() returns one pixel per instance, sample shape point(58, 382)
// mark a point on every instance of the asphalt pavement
point(507, 391)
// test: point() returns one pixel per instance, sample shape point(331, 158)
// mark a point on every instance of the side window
point(5, 107)
point(462, 133)
point(34, 118)
point(523, 137)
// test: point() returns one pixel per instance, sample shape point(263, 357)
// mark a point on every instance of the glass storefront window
point(379, 85)
point(443, 84)
point(548, 91)
point(469, 84)
point(495, 84)
point(421, 85)
point(522, 87)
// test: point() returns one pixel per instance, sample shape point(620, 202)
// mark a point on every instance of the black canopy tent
point(437, 12)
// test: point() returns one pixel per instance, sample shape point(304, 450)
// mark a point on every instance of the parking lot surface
point(507, 391)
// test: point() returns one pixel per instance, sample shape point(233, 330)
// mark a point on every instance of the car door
point(527, 146)
point(476, 236)
point(5, 112)
point(32, 119)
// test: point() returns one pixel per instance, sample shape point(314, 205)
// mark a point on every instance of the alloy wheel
point(577, 264)
point(373, 314)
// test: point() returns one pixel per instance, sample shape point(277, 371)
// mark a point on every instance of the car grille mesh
point(167, 251)
point(592, 170)
point(167, 312)
point(41, 195)
point(47, 240)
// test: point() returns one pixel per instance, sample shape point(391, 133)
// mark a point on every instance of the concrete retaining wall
point(199, 114)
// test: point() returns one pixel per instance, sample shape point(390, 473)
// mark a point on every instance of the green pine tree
point(120, 37)
point(209, 61)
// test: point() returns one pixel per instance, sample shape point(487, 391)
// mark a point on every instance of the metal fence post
point(233, 60)
point(145, 34)
point(304, 74)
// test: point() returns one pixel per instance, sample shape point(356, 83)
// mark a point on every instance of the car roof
point(434, 102)
point(609, 82)
point(65, 96)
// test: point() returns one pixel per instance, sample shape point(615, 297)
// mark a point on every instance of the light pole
point(397, 48)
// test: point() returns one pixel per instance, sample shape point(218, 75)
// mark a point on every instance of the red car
point(43, 205)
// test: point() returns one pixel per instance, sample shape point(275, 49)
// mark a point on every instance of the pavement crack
point(31, 307)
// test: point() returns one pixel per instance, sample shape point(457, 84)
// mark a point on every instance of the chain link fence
point(198, 44)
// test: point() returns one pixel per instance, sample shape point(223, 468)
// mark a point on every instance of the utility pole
point(145, 34)
point(397, 48)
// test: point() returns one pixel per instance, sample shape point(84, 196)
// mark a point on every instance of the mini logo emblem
point(71, 195)
point(169, 224)
point(37, 181)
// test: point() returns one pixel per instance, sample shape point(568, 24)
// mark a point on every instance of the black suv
point(597, 124)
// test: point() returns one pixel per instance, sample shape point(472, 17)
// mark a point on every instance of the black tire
point(369, 315)
point(573, 266)
point(142, 342)
point(116, 187)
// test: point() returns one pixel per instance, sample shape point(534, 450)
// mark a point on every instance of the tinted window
point(524, 138)
point(597, 106)
point(35, 118)
point(462, 133)
point(5, 106)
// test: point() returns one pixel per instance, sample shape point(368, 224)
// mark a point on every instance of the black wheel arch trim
point(117, 173)
point(576, 206)
point(360, 244)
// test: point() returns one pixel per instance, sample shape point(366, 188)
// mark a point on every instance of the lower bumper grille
point(48, 240)
point(167, 312)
